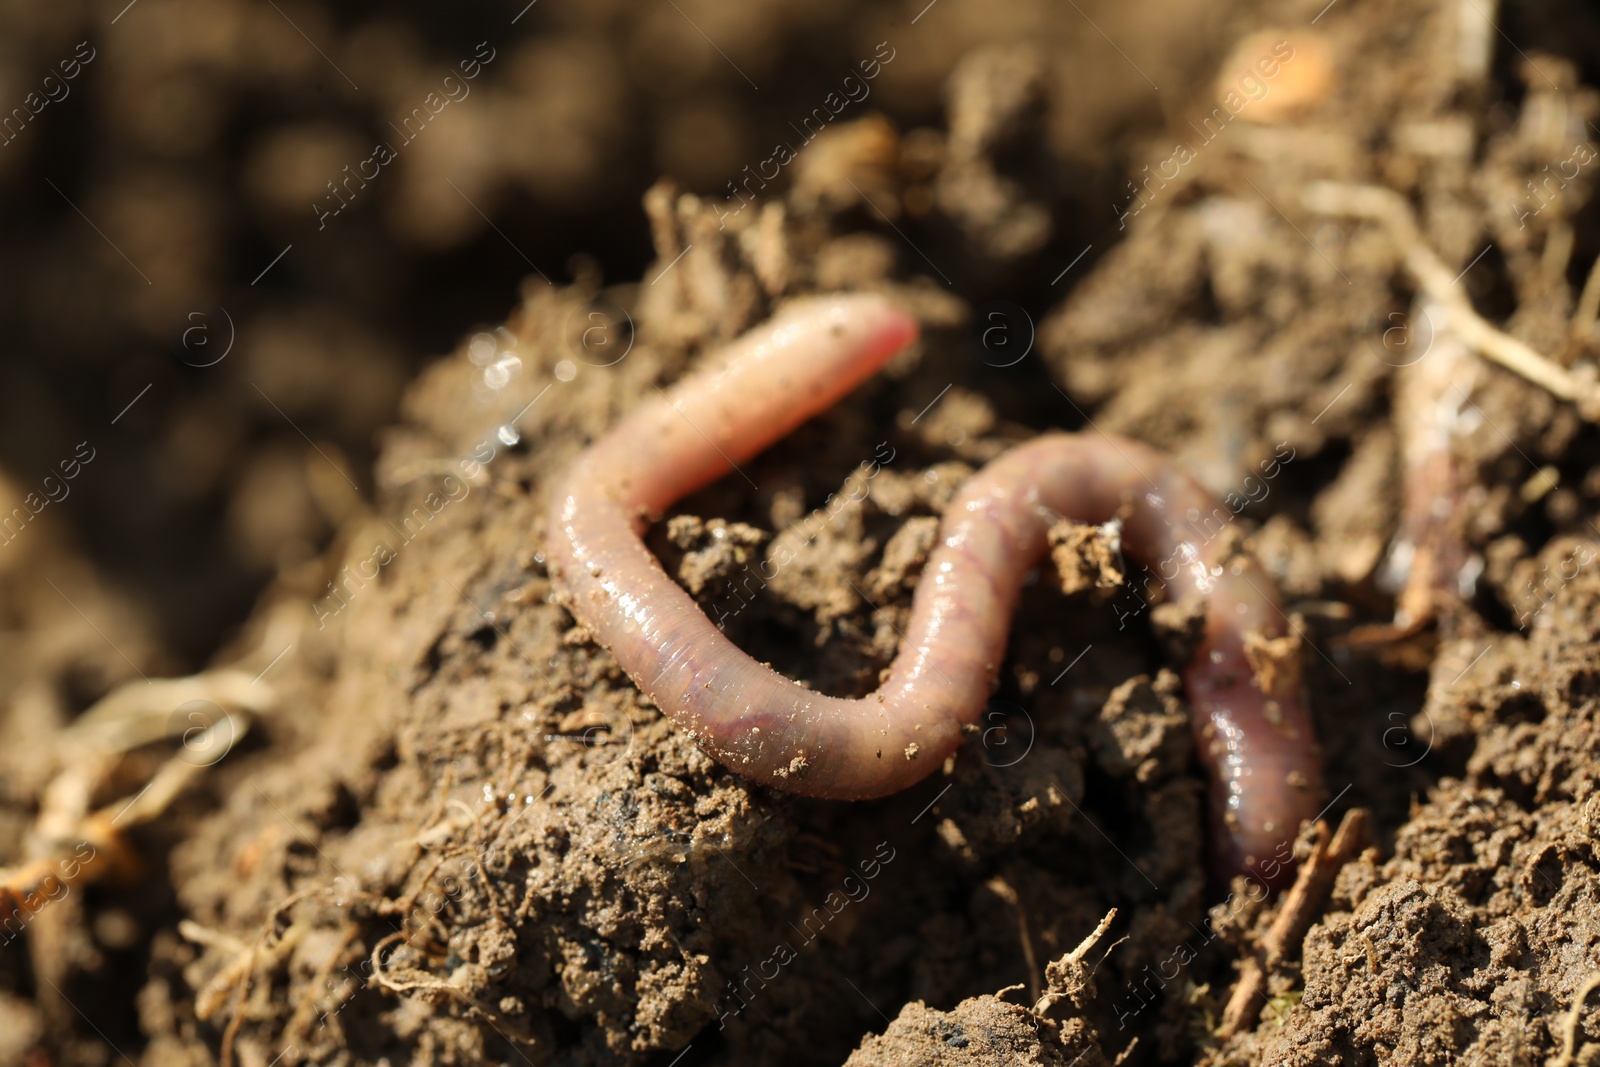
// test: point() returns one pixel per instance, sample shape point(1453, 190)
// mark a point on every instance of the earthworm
point(1256, 746)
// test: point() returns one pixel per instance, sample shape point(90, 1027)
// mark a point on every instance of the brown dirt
point(460, 835)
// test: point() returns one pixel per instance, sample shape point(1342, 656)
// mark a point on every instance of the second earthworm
point(1253, 734)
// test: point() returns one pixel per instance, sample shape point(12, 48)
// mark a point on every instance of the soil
point(456, 833)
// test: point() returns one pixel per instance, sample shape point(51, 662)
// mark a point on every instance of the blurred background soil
point(305, 304)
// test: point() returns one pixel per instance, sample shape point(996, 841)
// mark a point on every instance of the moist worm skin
point(1258, 749)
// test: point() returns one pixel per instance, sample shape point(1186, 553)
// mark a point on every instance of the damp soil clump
point(459, 834)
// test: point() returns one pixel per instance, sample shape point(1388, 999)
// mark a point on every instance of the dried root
point(1390, 208)
point(1300, 908)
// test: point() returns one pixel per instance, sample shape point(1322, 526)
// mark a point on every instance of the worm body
point(1257, 746)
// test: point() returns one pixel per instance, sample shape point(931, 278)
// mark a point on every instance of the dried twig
point(1313, 885)
point(402, 982)
point(1390, 208)
point(1588, 309)
point(1075, 959)
point(1569, 1031)
point(78, 846)
point(1002, 889)
point(1300, 908)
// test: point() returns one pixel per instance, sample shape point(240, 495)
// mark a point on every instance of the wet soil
point(458, 834)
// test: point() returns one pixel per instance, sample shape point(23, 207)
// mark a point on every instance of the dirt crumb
point(712, 552)
point(1086, 556)
point(1143, 728)
point(981, 1031)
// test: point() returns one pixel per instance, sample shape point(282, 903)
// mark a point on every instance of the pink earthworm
point(1257, 747)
